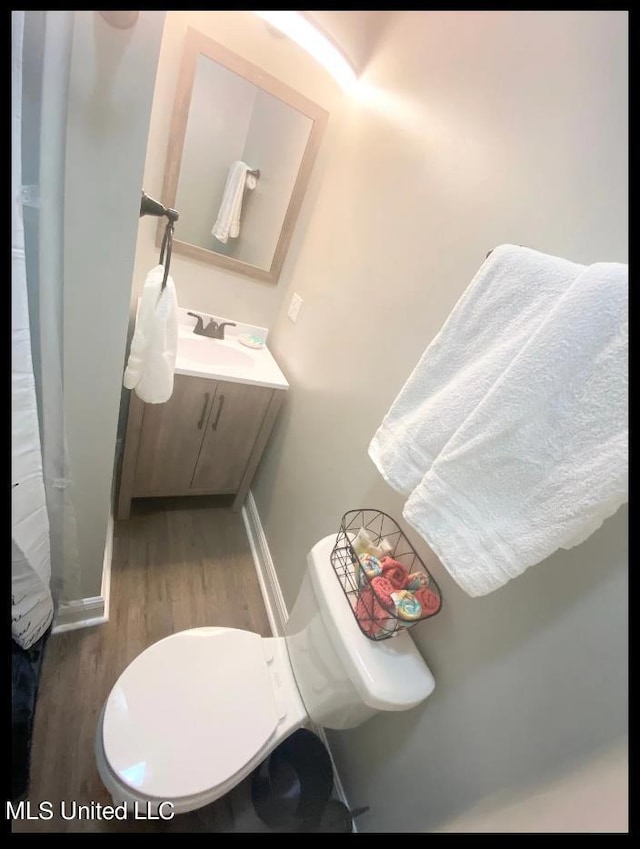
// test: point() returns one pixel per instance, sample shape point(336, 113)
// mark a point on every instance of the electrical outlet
point(294, 307)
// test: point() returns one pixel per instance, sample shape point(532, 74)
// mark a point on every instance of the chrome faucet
point(213, 330)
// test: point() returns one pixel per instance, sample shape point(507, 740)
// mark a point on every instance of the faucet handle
point(199, 323)
point(222, 326)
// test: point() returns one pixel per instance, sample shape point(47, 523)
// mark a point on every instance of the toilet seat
point(195, 709)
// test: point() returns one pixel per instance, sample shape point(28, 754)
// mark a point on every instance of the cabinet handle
point(218, 414)
point(204, 410)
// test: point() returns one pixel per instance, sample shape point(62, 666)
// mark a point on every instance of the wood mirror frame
point(197, 43)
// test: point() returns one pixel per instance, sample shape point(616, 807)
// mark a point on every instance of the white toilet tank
point(343, 677)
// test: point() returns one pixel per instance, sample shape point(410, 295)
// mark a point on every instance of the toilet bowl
point(198, 711)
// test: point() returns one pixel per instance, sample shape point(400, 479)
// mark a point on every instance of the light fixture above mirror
point(311, 39)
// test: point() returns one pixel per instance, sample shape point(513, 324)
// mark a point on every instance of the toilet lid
point(190, 712)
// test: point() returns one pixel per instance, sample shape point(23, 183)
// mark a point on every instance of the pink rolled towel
point(429, 601)
point(371, 614)
point(395, 572)
point(383, 588)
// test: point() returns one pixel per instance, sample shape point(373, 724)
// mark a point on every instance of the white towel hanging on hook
point(152, 357)
point(227, 224)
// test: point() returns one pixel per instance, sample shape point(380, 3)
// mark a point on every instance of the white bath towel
point(227, 224)
point(507, 300)
point(541, 460)
point(152, 356)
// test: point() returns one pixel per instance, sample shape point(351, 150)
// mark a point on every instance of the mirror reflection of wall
point(230, 119)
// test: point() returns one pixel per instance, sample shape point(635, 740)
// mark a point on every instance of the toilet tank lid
point(388, 674)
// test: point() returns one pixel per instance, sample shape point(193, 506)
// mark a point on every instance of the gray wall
point(471, 129)
point(110, 93)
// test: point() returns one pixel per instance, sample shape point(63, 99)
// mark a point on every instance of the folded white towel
point(227, 224)
point(154, 346)
point(505, 303)
point(541, 460)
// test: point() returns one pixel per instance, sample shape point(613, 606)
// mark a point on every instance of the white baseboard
point(81, 613)
point(269, 585)
point(87, 612)
point(105, 588)
point(275, 605)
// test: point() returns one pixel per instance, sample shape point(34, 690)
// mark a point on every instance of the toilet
point(198, 711)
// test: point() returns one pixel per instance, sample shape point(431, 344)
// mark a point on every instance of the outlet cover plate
point(294, 307)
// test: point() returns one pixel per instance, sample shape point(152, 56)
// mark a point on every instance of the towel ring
point(167, 242)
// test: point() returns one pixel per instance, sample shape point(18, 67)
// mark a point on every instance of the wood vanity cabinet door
point(171, 438)
point(234, 422)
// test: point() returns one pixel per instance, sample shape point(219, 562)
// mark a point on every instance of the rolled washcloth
point(369, 566)
point(417, 581)
point(373, 617)
point(429, 601)
point(395, 572)
point(407, 605)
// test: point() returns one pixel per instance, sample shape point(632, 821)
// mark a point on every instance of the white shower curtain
point(48, 37)
point(45, 561)
point(31, 601)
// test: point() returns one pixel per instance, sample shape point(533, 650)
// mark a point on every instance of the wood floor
point(177, 564)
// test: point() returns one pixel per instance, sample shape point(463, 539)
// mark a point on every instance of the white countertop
point(228, 359)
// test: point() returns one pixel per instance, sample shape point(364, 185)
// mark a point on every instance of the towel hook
point(149, 206)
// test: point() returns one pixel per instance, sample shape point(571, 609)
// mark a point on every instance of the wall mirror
point(241, 149)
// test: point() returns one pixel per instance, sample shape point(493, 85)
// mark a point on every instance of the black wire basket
point(379, 613)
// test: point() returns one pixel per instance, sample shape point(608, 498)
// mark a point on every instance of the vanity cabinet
point(206, 439)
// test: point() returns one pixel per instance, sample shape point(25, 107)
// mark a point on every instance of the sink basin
point(213, 352)
point(225, 359)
